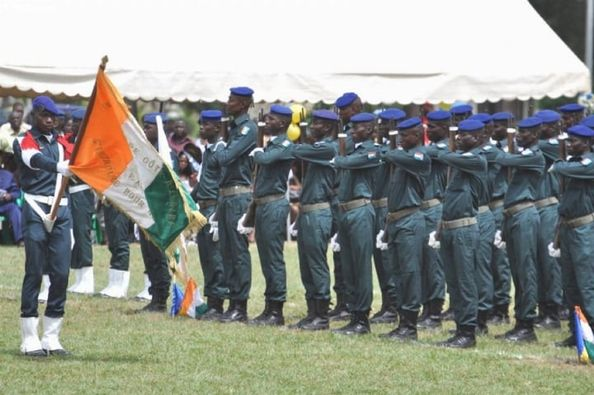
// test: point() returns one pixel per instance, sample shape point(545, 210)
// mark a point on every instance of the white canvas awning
point(302, 50)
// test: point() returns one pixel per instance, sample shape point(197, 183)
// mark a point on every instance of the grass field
point(118, 352)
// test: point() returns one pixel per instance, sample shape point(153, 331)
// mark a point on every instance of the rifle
point(250, 215)
point(342, 143)
point(302, 139)
point(451, 146)
point(510, 149)
point(563, 156)
point(224, 133)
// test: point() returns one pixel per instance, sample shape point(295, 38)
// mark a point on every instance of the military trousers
point(82, 207)
point(432, 273)
point(484, 256)
point(340, 288)
point(383, 265)
point(548, 268)
point(156, 267)
point(116, 229)
point(314, 230)
point(500, 269)
point(211, 260)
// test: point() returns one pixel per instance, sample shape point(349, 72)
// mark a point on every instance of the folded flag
point(192, 305)
point(584, 338)
point(176, 299)
point(116, 160)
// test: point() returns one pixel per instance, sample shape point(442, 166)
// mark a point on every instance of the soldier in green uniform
point(576, 211)
point(500, 270)
point(459, 233)
point(272, 208)
point(406, 223)
point(82, 207)
point(433, 277)
point(234, 198)
point(314, 224)
point(388, 312)
point(356, 222)
point(521, 225)
point(486, 223)
point(571, 114)
point(348, 105)
point(206, 194)
point(550, 294)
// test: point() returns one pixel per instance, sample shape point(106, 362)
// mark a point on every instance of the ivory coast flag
point(115, 158)
point(584, 339)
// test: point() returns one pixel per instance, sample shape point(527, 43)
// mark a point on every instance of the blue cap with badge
point(439, 115)
point(581, 131)
point(530, 122)
point(346, 99)
point(392, 114)
point(470, 125)
point(481, 116)
point(548, 116)
point(243, 91)
point(571, 107)
point(502, 116)
point(78, 114)
point(326, 115)
point(461, 109)
point(151, 118)
point(409, 123)
point(363, 117)
point(45, 103)
point(281, 110)
point(210, 115)
point(588, 121)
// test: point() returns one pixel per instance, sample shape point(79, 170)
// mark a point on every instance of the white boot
point(144, 294)
point(30, 344)
point(77, 278)
point(50, 341)
point(118, 284)
point(86, 285)
point(42, 298)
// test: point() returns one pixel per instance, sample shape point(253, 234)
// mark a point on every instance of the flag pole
point(64, 182)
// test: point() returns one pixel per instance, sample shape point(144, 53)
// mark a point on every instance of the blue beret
point(281, 110)
point(151, 117)
point(588, 121)
point(242, 91)
point(548, 116)
point(392, 114)
point(572, 107)
point(363, 117)
point(47, 104)
point(409, 123)
point(481, 116)
point(210, 115)
point(325, 115)
point(439, 115)
point(502, 116)
point(78, 114)
point(581, 131)
point(461, 109)
point(346, 99)
point(470, 125)
point(530, 122)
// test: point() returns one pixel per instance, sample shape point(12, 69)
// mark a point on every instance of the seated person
point(9, 193)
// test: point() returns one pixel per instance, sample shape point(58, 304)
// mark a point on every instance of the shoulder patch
point(244, 130)
point(371, 154)
point(553, 141)
point(527, 152)
point(586, 161)
point(286, 143)
point(419, 155)
point(468, 154)
point(488, 147)
point(441, 145)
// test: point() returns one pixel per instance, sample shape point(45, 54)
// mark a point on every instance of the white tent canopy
point(302, 50)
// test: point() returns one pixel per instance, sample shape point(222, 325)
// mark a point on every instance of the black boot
point(448, 315)
point(359, 325)
point(523, 332)
point(263, 315)
point(433, 320)
point(340, 312)
point(311, 314)
point(464, 338)
point(386, 315)
point(550, 318)
point(158, 303)
point(407, 327)
point(237, 312)
point(320, 321)
point(564, 313)
point(482, 317)
point(425, 312)
point(567, 342)
point(275, 315)
point(500, 315)
point(215, 310)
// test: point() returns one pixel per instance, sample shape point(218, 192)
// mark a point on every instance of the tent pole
point(589, 34)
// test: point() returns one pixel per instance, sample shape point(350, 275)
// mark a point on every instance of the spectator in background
point(187, 175)
point(9, 193)
point(180, 142)
point(11, 129)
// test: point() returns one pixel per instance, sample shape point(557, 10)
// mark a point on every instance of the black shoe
point(263, 315)
point(272, 315)
point(460, 340)
point(431, 322)
point(385, 316)
point(158, 304)
point(237, 312)
point(214, 312)
point(448, 315)
point(320, 321)
point(498, 319)
point(36, 353)
point(59, 352)
point(401, 334)
point(568, 342)
point(359, 325)
point(564, 314)
point(522, 335)
point(308, 318)
point(339, 313)
point(548, 322)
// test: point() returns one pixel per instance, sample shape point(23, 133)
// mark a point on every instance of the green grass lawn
point(118, 352)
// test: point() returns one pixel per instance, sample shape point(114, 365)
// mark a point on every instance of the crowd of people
point(452, 202)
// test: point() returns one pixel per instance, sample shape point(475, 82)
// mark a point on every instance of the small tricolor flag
point(584, 338)
point(116, 160)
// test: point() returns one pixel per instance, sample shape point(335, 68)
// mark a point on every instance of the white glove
point(212, 221)
point(433, 242)
point(256, 150)
point(554, 252)
point(334, 244)
point(62, 168)
point(243, 230)
point(379, 241)
point(293, 229)
point(214, 231)
point(499, 243)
